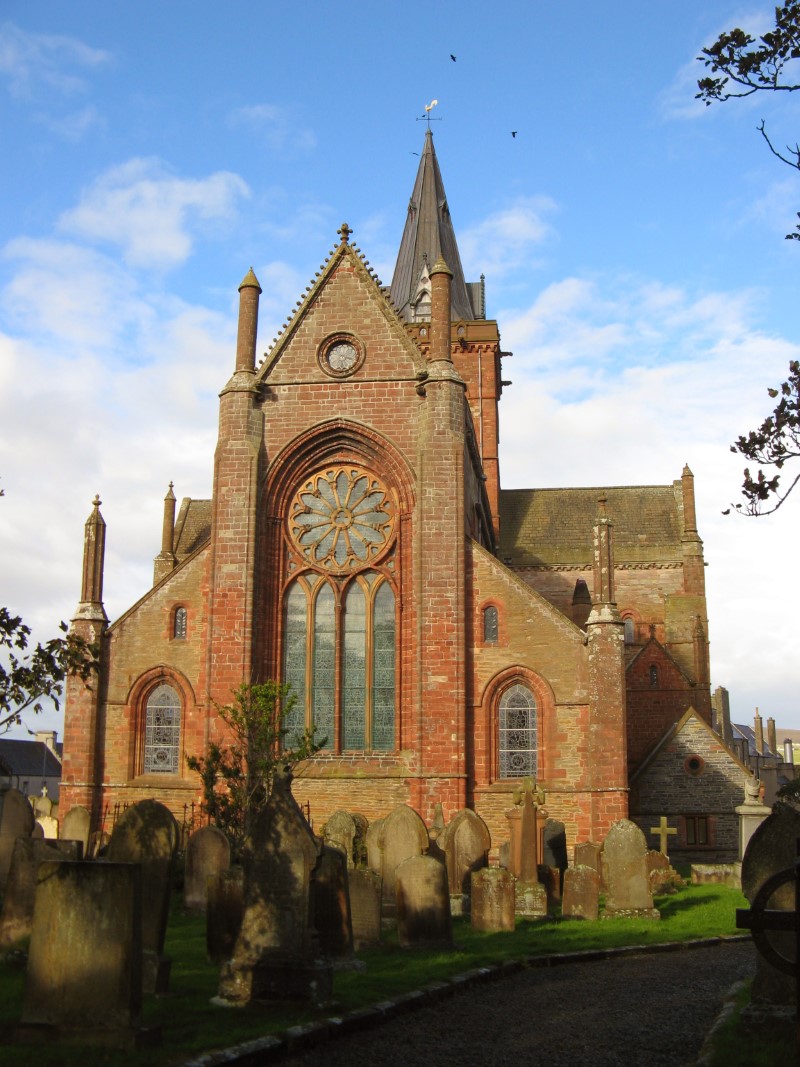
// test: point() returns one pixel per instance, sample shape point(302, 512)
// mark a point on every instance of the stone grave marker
point(16, 916)
point(423, 903)
point(372, 845)
point(772, 849)
point(581, 896)
point(224, 911)
point(403, 835)
point(751, 813)
point(274, 955)
point(663, 832)
point(466, 842)
point(492, 903)
point(365, 907)
point(147, 834)
point(42, 805)
point(208, 852)
point(662, 875)
point(554, 853)
point(360, 840)
point(16, 820)
point(49, 826)
point(76, 827)
point(625, 873)
point(531, 895)
point(330, 904)
point(588, 854)
point(84, 979)
point(340, 832)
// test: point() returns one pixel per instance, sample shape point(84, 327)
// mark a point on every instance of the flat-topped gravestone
point(402, 835)
point(365, 907)
point(581, 894)
point(77, 826)
point(466, 842)
point(625, 874)
point(772, 849)
point(84, 981)
point(208, 852)
point(340, 832)
point(274, 955)
point(423, 903)
point(147, 834)
point(224, 911)
point(16, 820)
point(330, 904)
point(492, 899)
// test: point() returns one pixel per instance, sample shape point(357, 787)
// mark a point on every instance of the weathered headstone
point(554, 852)
point(42, 805)
point(403, 834)
point(663, 877)
point(360, 841)
point(208, 852)
point(76, 827)
point(772, 849)
point(274, 956)
point(587, 854)
point(492, 899)
point(372, 845)
point(330, 904)
point(423, 903)
point(16, 917)
point(224, 911)
point(147, 834)
point(531, 895)
point(365, 907)
point(581, 895)
point(16, 820)
point(340, 832)
point(84, 962)
point(466, 842)
point(49, 826)
point(625, 873)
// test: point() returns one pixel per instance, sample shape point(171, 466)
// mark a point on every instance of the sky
point(632, 242)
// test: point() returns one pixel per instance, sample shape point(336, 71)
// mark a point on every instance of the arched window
point(162, 735)
point(361, 638)
point(490, 625)
point(179, 624)
point(630, 633)
point(654, 677)
point(516, 733)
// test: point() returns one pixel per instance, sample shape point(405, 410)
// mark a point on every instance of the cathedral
point(448, 638)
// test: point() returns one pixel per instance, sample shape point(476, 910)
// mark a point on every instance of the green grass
point(190, 1024)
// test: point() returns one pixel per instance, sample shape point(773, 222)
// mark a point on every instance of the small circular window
point(694, 765)
point(340, 355)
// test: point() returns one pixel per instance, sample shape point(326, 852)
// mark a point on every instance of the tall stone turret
point(165, 560)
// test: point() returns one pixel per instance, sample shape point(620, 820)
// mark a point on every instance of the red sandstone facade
point(358, 544)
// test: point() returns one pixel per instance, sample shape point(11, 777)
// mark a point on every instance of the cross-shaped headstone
point(664, 832)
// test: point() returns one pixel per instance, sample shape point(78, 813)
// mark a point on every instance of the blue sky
point(632, 242)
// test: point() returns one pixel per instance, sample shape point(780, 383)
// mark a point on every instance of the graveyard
point(159, 954)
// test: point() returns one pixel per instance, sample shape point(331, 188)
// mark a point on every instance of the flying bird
point(513, 133)
point(452, 57)
point(431, 105)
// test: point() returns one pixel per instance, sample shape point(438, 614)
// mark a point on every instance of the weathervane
point(427, 117)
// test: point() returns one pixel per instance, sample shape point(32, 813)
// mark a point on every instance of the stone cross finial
point(344, 232)
point(664, 832)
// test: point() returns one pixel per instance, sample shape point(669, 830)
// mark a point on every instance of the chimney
point(772, 737)
point(788, 752)
point(758, 730)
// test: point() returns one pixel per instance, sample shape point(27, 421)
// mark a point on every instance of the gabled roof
point(673, 731)
point(545, 527)
point(653, 642)
point(192, 528)
point(428, 234)
point(32, 759)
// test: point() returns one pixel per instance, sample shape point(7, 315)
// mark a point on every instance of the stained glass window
point(490, 625)
point(294, 659)
point(324, 666)
point(162, 738)
point(179, 627)
point(383, 645)
point(354, 669)
point(517, 733)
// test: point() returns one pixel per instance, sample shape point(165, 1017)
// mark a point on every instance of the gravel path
point(652, 1010)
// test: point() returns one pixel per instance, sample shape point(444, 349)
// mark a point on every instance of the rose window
point(342, 518)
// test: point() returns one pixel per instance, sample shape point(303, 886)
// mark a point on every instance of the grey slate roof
point(192, 527)
point(429, 234)
point(547, 527)
point(32, 759)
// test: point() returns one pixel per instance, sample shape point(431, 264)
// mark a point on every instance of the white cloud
point(278, 124)
point(31, 61)
point(503, 242)
point(149, 212)
point(74, 125)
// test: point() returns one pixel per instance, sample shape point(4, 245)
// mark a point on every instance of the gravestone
point(751, 813)
point(372, 845)
point(330, 904)
point(581, 895)
point(423, 903)
point(208, 852)
point(365, 907)
point(16, 917)
point(76, 827)
point(340, 832)
point(16, 820)
point(662, 875)
point(554, 853)
point(466, 842)
point(274, 955)
point(84, 978)
point(492, 903)
point(531, 895)
point(42, 805)
point(588, 854)
point(625, 875)
point(147, 834)
point(402, 835)
point(772, 849)
point(360, 841)
point(224, 911)
point(49, 826)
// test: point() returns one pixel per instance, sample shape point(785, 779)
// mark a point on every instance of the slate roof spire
point(428, 235)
